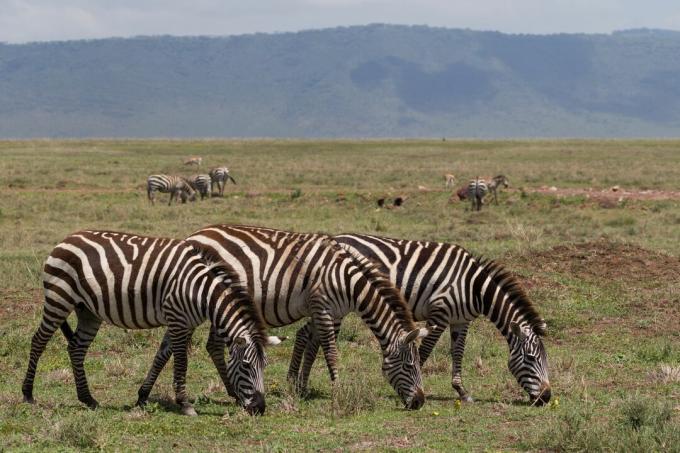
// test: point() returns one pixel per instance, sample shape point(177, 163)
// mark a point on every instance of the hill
point(364, 81)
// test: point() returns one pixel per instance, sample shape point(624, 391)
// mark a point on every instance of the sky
point(48, 20)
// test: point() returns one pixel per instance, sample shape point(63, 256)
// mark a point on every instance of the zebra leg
point(311, 351)
point(179, 339)
point(458, 335)
point(162, 356)
point(429, 342)
point(51, 320)
point(88, 326)
point(215, 348)
point(302, 338)
point(324, 327)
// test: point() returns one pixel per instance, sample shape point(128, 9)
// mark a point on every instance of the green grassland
point(604, 275)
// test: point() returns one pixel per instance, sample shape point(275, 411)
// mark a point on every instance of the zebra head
point(245, 372)
point(502, 180)
point(401, 367)
point(528, 362)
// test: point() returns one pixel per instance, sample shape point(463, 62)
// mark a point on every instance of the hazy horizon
point(25, 21)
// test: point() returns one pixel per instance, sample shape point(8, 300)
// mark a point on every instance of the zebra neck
point(226, 311)
point(386, 328)
point(500, 309)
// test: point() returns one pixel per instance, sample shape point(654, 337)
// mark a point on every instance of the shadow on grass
point(453, 399)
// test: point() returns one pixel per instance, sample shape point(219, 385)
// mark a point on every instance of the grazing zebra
point(177, 186)
point(294, 275)
point(220, 176)
point(139, 282)
point(194, 160)
point(495, 183)
point(450, 180)
point(476, 190)
point(201, 184)
point(447, 287)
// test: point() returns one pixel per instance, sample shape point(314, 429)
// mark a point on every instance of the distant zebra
point(220, 176)
point(176, 186)
point(194, 160)
point(293, 275)
point(446, 286)
point(476, 191)
point(449, 180)
point(495, 183)
point(201, 184)
point(139, 282)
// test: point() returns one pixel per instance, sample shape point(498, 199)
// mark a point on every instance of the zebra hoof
point(466, 399)
point(29, 399)
point(141, 403)
point(92, 404)
point(188, 409)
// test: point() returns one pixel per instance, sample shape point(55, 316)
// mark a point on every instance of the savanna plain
point(601, 265)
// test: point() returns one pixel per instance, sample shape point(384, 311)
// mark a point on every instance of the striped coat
point(293, 276)
point(139, 282)
point(220, 176)
point(176, 186)
point(476, 191)
point(446, 286)
point(201, 184)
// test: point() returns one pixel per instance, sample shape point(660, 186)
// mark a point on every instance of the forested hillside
point(368, 81)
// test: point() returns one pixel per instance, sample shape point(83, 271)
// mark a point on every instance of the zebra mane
point(227, 275)
point(509, 284)
point(384, 286)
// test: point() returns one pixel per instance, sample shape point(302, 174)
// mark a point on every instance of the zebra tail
point(66, 330)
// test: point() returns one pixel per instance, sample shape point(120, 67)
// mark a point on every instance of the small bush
point(79, 432)
point(642, 425)
point(295, 194)
point(656, 353)
point(638, 413)
point(351, 398)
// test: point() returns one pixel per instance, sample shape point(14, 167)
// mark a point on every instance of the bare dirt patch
point(645, 278)
point(611, 194)
point(606, 260)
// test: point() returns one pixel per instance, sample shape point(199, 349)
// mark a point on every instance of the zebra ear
point(517, 331)
point(273, 340)
point(415, 334)
point(239, 341)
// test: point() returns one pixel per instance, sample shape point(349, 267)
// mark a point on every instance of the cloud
point(36, 20)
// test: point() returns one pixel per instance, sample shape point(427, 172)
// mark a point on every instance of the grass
point(603, 275)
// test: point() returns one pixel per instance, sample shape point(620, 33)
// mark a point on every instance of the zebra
point(296, 275)
point(140, 282)
point(177, 186)
point(201, 184)
point(476, 191)
point(495, 183)
point(193, 160)
point(446, 286)
point(220, 176)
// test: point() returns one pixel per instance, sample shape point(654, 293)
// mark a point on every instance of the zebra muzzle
point(257, 405)
point(417, 400)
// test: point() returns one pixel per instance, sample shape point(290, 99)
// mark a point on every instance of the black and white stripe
point(293, 275)
point(220, 176)
point(495, 183)
point(201, 184)
point(139, 282)
point(176, 186)
point(476, 190)
point(446, 286)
